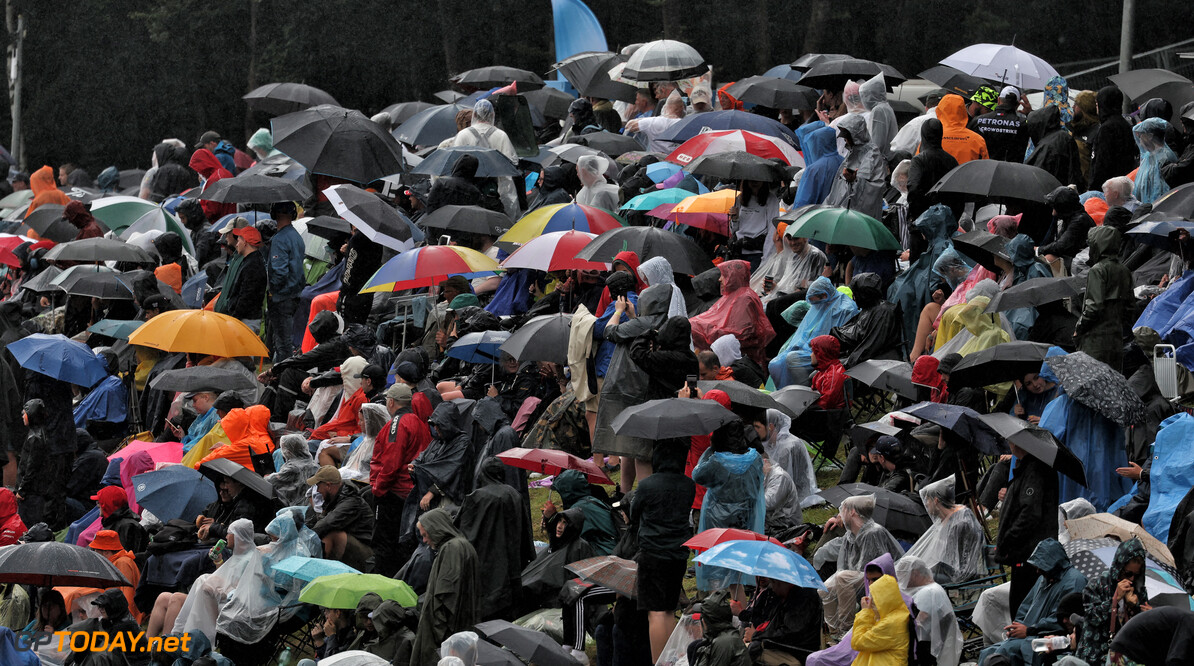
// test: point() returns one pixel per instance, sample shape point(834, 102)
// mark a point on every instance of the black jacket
point(247, 505)
point(34, 470)
point(133, 537)
point(1029, 513)
point(876, 332)
point(1113, 151)
point(660, 512)
point(666, 357)
point(928, 166)
point(1005, 132)
point(346, 512)
point(1067, 236)
point(248, 291)
point(361, 261)
point(1054, 149)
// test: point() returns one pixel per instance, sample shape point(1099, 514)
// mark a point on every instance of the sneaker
point(580, 657)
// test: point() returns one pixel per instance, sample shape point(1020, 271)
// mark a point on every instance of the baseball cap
point(1011, 91)
point(700, 95)
point(408, 371)
point(250, 234)
point(327, 473)
point(208, 137)
point(238, 222)
point(372, 371)
point(192, 394)
point(400, 391)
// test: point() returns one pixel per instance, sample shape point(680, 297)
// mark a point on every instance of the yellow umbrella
point(721, 201)
point(199, 332)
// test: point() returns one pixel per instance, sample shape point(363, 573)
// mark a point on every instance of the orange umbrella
point(721, 201)
point(199, 332)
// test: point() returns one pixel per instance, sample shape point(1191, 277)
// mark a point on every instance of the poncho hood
point(735, 275)
point(1049, 556)
point(1104, 243)
point(439, 526)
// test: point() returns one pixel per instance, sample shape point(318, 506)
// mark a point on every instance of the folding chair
point(964, 597)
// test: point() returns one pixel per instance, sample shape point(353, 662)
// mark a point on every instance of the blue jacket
point(226, 153)
point(285, 266)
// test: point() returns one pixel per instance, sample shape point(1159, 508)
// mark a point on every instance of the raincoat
point(1066, 236)
point(881, 634)
point(739, 312)
point(789, 452)
point(783, 506)
point(495, 520)
point(248, 432)
point(207, 165)
point(723, 644)
point(630, 260)
point(876, 332)
point(963, 144)
point(290, 481)
point(1108, 297)
point(1104, 617)
point(11, 527)
point(543, 578)
point(1170, 453)
point(953, 547)
point(834, 309)
point(45, 190)
point(289, 538)
point(734, 497)
point(449, 604)
point(871, 541)
point(445, 466)
point(1023, 254)
point(865, 194)
point(830, 378)
point(1154, 154)
point(935, 619)
point(789, 270)
point(1113, 152)
point(984, 327)
point(842, 654)
point(598, 528)
point(881, 122)
point(658, 271)
point(912, 289)
point(1053, 149)
point(107, 402)
point(264, 140)
point(823, 163)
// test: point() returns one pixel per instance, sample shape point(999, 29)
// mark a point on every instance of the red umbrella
point(551, 461)
point(8, 258)
point(555, 251)
point(724, 141)
point(713, 536)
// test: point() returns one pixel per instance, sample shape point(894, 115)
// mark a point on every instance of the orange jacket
point(958, 141)
point(45, 189)
point(248, 433)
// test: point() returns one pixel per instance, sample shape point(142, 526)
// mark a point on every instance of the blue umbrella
point(728, 120)
point(59, 357)
point(479, 347)
point(176, 491)
point(784, 71)
point(115, 328)
point(194, 291)
point(309, 568)
point(763, 558)
point(1158, 232)
point(254, 218)
point(661, 171)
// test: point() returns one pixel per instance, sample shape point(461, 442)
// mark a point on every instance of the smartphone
point(692, 384)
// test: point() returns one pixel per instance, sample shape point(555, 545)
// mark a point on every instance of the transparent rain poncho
point(291, 540)
point(461, 645)
point(373, 420)
point(790, 453)
point(953, 546)
point(935, 620)
point(871, 541)
point(656, 271)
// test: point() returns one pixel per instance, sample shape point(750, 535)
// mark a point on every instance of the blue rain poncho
point(834, 309)
point(1023, 253)
point(1171, 453)
point(108, 402)
point(823, 162)
point(1165, 311)
point(200, 428)
point(913, 288)
point(290, 541)
point(1154, 154)
point(734, 498)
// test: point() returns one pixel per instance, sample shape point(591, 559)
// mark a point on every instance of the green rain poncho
point(450, 602)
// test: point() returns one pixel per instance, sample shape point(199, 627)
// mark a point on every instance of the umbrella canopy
point(806, 61)
point(996, 178)
point(555, 251)
point(115, 328)
point(728, 141)
point(1036, 291)
point(119, 212)
point(160, 452)
point(713, 536)
point(534, 646)
point(885, 375)
point(1093, 557)
point(654, 198)
point(795, 398)
point(572, 152)
point(718, 223)
point(550, 102)
point(218, 469)
point(841, 226)
point(309, 568)
point(59, 357)
point(834, 73)
point(953, 80)
point(430, 126)
point(552, 461)
point(403, 111)
point(43, 282)
point(774, 92)
point(378, 220)
point(175, 491)
point(1037, 441)
point(763, 558)
point(490, 163)
point(1162, 233)
point(543, 338)
point(51, 563)
point(1003, 64)
point(326, 226)
point(479, 346)
point(682, 253)
point(744, 394)
point(664, 60)
point(609, 571)
point(498, 75)
point(428, 266)
point(588, 72)
point(345, 590)
point(982, 246)
point(784, 71)
point(202, 378)
point(199, 332)
point(281, 98)
point(561, 217)
point(1001, 363)
point(1105, 524)
point(735, 166)
point(256, 188)
point(963, 422)
point(1178, 202)
point(279, 166)
point(1141, 85)
point(99, 249)
point(607, 142)
point(466, 219)
point(893, 510)
point(1098, 386)
point(667, 418)
point(861, 433)
point(48, 222)
point(713, 121)
point(337, 142)
point(110, 286)
point(720, 202)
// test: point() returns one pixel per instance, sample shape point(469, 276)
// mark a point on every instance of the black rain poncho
point(495, 520)
point(1107, 301)
point(450, 603)
point(1055, 150)
point(543, 579)
point(876, 332)
point(913, 288)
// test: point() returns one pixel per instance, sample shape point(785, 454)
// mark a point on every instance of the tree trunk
point(448, 31)
point(815, 40)
point(15, 23)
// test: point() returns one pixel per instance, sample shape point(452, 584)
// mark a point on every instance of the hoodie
point(449, 604)
point(248, 431)
point(963, 144)
point(1066, 237)
point(881, 121)
point(1054, 148)
point(927, 167)
point(830, 378)
point(823, 162)
point(1102, 614)
point(11, 526)
point(45, 190)
point(865, 194)
point(207, 165)
point(723, 644)
point(598, 528)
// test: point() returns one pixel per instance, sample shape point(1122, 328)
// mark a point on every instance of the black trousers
point(387, 530)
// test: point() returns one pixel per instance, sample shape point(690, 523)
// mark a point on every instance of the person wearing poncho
point(829, 308)
point(1150, 136)
point(494, 519)
point(790, 453)
point(936, 623)
point(862, 178)
point(842, 654)
point(875, 332)
point(450, 602)
point(734, 493)
point(739, 312)
point(913, 288)
point(864, 540)
point(1108, 297)
point(1111, 599)
point(953, 547)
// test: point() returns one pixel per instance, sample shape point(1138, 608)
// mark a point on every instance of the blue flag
point(576, 29)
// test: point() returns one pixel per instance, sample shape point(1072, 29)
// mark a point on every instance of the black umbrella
point(953, 80)
point(1003, 362)
point(402, 111)
point(218, 469)
point(430, 126)
point(894, 511)
point(588, 72)
point(83, 194)
point(1176, 203)
point(281, 98)
point(744, 394)
point(110, 286)
point(682, 253)
point(202, 378)
point(982, 246)
point(806, 61)
point(372, 216)
point(489, 654)
point(331, 228)
point(41, 283)
point(498, 75)
point(551, 102)
point(796, 398)
point(1098, 386)
point(544, 338)
point(773, 92)
point(737, 165)
point(337, 142)
point(1037, 441)
point(131, 178)
point(1161, 230)
point(1141, 85)
point(48, 222)
point(671, 417)
point(467, 219)
point(277, 166)
point(1036, 291)
point(996, 178)
point(255, 188)
point(861, 433)
point(884, 375)
point(607, 142)
point(534, 646)
point(962, 421)
point(51, 563)
point(490, 163)
point(834, 73)
point(93, 250)
point(448, 96)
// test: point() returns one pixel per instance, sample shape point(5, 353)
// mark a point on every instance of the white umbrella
point(662, 60)
point(1005, 64)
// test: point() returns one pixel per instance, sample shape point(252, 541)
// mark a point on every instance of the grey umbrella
point(218, 469)
point(534, 646)
point(108, 286)
point(378, 220)
point(282, 98)
point(588, 72)
point(100, 249)
point(202, 378)
point(796, 398)
point(1037, 291)
point(467, 219)
point(743, 394)
point(498, 75)
point(544, 338)
point(430, 126)
point(1037, 441)
point(402, 111)
point(664, 60)
point(682, 253)
point(256, 188)
point(885, 376)
point(48, 564)
point(1098, 386)
point(490, 163)
point(671, 417)
point(774, 92)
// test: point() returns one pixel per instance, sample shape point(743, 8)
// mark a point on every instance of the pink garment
point(738, 312)
point(976, 275)
point(137, 463)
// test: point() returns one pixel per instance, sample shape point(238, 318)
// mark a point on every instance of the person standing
point(35, 473)
point(244, 289)
point(1108, 296)
point(362, 258)
point(286, 280)
point(450, 602)
point(1028, 516)
point(403, 439)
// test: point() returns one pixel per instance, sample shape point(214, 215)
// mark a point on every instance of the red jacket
point(12, 527)
point(206, 164)
point(830, 378)
point(345, 420)
point(403, 439)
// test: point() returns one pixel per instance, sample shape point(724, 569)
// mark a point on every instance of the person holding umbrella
point(362, 258)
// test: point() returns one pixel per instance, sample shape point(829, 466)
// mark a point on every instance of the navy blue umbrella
point(59, 357)
point(962, 421)
point(176, 491)
point(728, 120)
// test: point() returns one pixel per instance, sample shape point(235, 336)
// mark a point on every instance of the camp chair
point(964, 596)
point(824, 432)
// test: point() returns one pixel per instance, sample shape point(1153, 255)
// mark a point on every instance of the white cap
point(1009, 90)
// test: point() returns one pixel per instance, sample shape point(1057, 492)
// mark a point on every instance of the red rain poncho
point(924, 373)
point(830, 378)
point(739, 312)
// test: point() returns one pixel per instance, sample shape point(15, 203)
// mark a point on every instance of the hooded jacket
point(450, 603)
point(1067, 236)
point(173, 176)
point(445, 466)
point(1005, 132)
point(823, 162)
point(1102, 615)
point(1055, 150)
point(739, 312)
point(118, 621)
point(883, 640)
point(1181, 171)
point(11, 526)
point(248, 432)
point(35, 472)
point(629, 259)
point(45, 190)
point(494, 518)
point(543, 578)
point(1109, 298)
point(1029, 513)
point(598, 528)
point(80, 218)
point(346, 512)
point(830, 378)
point(912, 288)
point(404, 438)
point(394, 636)
point(963, 144)
point(207, 165)
point(882, 122)
point(927, 167)
point(551, 188)
point(876, 331)
point(865, 194)
point(723, 644)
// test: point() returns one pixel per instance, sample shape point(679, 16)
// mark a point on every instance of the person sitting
point(395, 632)
point(876, 332)
point(108, 544)
point(204, 404)
point(233, 502)
point(342, 519)
point(842, 653)
point(11, 527)
point(598, 528)
point(290, 481)
point(335, 633)
point(826, 308)
point(115, 623)
point(543, 578)
point(829, 380)
point(722, 644)
point(344, 426)
point(1111, 599)
point(863, 541)
point(881, 629)
point(783, 505)
point(953, 547)
point(116, 515)
point(742, 368)
point(900, 468)
point(791, 453)
point(789, 629)
point(732, 473)
point(215, 437)
point(248, 435)
point(936, 625)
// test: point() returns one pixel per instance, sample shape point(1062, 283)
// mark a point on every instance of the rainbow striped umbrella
point(555, 251)
point(561, 217)
point(428, 266)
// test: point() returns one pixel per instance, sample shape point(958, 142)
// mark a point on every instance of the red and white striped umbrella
point(726, 141)
point(555, 251)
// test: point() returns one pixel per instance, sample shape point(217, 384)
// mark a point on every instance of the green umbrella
point(346, 589)
point(841, 226)
point(672, 195)
point(119, 212)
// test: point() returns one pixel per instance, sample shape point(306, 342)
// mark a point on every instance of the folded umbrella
point(663, 60)
point(744, 394)
point(609, 571)
point(282, 98)
point(378, 220)
point(108, 286)
point(682, 252)
point(48, 223)
point(255, 188)
point(310, 568)
point(552, 461)
point(202, 378)
point(51, 564)
point(840, 226)
point(498, 75)
point(607, 142)
point(218, 469)
point(534, 646)
point(588, 72)
point(59, 357)
point(774, 93)
point(983, 247)
point(1036, 291)
point(345, 590)
point(1002, 63)
point(1003, 362)
point(711, 537)
point(893, 510)
point(490, 163)
point(668, 418)
point(737, 165)
point(996, 178)
point(174, 492)
point(766, 146)
point(427, 266)
point(796, 398)
point(555, 251)
point(953, 80)
point(763, 558)
point(713, 121)
point(1098, 386)
point(430, 126)
point(544, 338)
point(337, 142)
point(1105, 524)
point(963, 422)
point(885, 375)
point(199, 332)
point(479, 346)
point(466, 220)
point(115, 328)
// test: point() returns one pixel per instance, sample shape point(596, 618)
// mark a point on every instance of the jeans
point(279, 327)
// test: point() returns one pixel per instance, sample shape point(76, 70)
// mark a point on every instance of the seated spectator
point(341, 518)
point(290, 481)
point(598, 528)
point(790, 629)
point(113, 619)
point(953, 547)
point(936, 626)
point(116, 515)
point(395, 632)
point(881, 628)
point(1111, 599)
point(108, 544)
point(543, 579)
point(233, 501)
point(864, 540)
point(204, 404)
point(722, 644)
point(783, 505)
point(215, 437)
point(344, 426)
point(248, 435)
point(336, 632)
